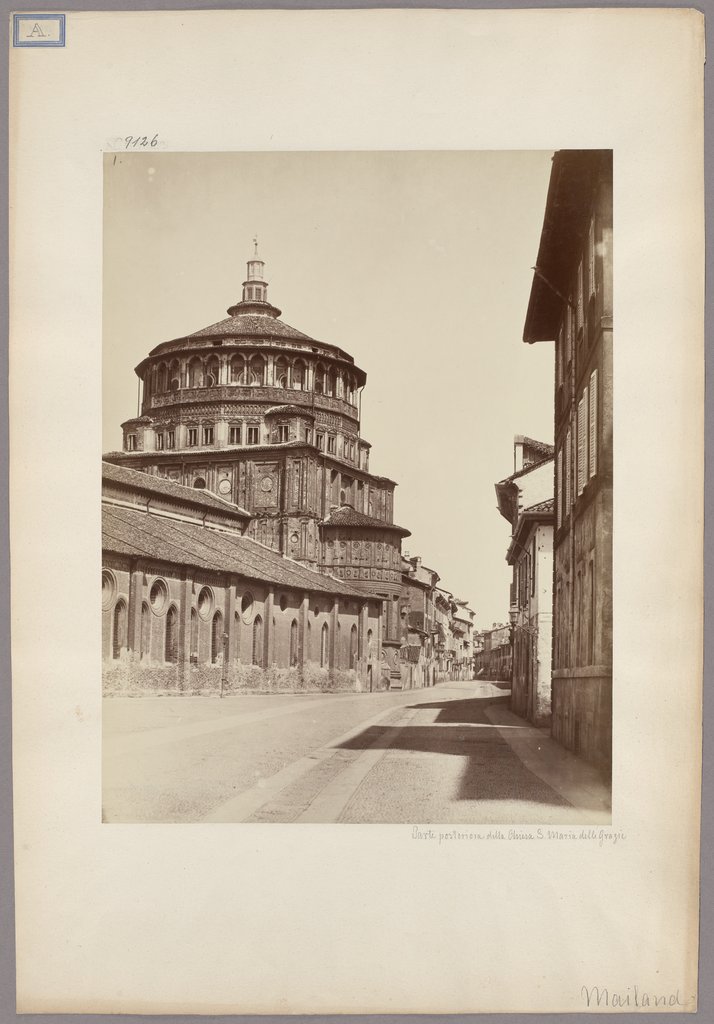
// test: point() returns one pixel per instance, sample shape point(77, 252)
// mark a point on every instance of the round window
point(205, 602)
point(158, 596)
point(109, 588)
point(246, 606)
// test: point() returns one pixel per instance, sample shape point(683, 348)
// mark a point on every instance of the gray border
point(7, 944)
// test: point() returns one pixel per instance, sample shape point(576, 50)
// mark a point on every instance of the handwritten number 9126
point(141, 141)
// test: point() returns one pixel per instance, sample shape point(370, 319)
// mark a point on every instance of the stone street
point(451, 754)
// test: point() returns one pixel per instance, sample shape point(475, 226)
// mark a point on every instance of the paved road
point(452, 754)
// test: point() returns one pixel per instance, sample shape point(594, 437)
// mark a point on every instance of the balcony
point(248, 395)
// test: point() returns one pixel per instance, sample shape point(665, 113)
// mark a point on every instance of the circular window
point(109, 588)
point(205, 602)
point(283, 602)
point(224, 486)
point(246, 606)
point(266, 484)
point(158, 596)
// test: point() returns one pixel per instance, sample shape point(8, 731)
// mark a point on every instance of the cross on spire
point(255, 243)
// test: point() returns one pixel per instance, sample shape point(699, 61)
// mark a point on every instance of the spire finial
point(255, 243)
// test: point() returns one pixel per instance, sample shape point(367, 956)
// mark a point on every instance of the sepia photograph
point(311, 360)
point(357, 487)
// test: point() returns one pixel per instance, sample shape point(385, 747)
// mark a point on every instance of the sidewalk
point(572, 778)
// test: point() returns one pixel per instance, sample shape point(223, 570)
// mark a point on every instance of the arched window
point(216, 637)
point(119, 632)
point(175, 375)
point(293, 643)
point(369, 643)
point(325, 646)
point(256, 371)
point(237, 370)
point(194, 635)
point(145, 631)
point(163, 377)
point(195, 373)
point(257, 640)
point(171, 639)
point(199, 483)
point(319, 379)
point(308, 642)
point(353, 647)
point(281, 372)
point(212, 372)
point(330, 383)
point(299, 375)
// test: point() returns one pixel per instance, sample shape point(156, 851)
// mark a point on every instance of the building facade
point(525, 500)
point(268, 418)
point(571, 305)
point(190, 603)
point(246, 542)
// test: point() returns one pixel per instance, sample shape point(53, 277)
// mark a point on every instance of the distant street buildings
point(525, 500)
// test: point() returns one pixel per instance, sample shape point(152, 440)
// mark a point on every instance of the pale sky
point(416, 263)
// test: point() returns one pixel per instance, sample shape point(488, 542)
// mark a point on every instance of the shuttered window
point(593, 423)
point(568, 468)
point(579, 297)
point(582, 453)
point(559, 488)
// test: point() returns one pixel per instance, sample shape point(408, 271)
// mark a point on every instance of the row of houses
point(558, 499)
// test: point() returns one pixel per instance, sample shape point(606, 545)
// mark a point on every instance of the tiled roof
point(139, 534)
point(345, 515)
point(541, 446)
point(289, 410)
point(147, 483)
point(527, 469)
point(542, 506)
point(250, 324)
point(195, 451)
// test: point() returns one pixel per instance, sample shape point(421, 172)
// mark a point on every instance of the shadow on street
point(493, 771)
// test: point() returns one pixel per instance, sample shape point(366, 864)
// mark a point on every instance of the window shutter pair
point(593, 423)
point(582, 454)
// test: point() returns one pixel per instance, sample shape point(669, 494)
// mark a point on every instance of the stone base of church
point(129, 677)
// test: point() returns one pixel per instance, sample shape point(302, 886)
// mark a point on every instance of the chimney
point(518, 453)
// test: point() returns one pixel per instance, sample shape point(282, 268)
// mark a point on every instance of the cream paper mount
point(215, 919)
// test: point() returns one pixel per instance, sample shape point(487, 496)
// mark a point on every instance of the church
point(247, 461)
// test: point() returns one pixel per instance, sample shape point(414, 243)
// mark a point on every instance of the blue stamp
point(38, 29)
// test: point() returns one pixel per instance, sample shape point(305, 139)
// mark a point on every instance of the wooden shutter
point(593, 423)
point(582, 451)
point(559, 488)
point(568, 468)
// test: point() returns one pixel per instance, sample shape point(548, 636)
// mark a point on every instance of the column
point(303, 652)
point(268, 629)
point(335, 621)
point(184, 631)
point(229, 624)
point(362, 632)
point(133, 612)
